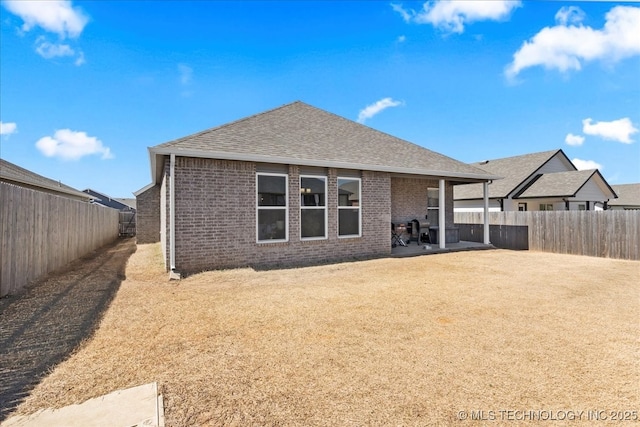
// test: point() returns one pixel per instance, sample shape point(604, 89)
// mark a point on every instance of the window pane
point(312, 192)
point(312, 223)
point(348, 192)
point(271, 224)
point(348, 222)
point(433, 198)
point(272, 190)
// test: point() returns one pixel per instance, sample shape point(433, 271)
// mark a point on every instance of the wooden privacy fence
point(42, 232)
point(610, 234)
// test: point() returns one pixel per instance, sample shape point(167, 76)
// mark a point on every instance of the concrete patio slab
point(137, 406)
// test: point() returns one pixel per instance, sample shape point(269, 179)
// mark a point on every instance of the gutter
point(249, 157)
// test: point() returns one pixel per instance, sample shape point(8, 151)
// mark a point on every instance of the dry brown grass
point(384, 342)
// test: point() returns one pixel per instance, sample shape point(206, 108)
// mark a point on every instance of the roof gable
point(299, 133)
point(517, 172)
point(564, 184)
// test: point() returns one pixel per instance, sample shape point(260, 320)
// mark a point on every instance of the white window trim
point(325, 207)
point(349, 236)
point(285, 207)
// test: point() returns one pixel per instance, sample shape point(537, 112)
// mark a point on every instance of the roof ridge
point(224, 125)
point(387, 134)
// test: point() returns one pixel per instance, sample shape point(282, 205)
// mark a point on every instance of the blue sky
point(86, 87)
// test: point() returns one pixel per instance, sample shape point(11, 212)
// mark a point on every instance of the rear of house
point(292, 186)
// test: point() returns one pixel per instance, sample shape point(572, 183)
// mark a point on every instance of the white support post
point(442, 226)
point(485, 196)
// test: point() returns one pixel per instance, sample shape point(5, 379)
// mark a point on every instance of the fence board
point(42, 232)
point(610, 234)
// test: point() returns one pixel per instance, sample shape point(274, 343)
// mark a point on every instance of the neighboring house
point(291, 186)
point(127, 221)
point(628, 197)
point(539, 181)
point(16, 175)
point(104, 200)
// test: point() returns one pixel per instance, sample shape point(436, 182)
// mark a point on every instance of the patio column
point(485, 198)
point(442, 226)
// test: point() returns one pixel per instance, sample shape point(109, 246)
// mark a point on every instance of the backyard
point(430, 340)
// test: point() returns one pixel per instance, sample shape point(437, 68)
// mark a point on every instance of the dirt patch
point(41, 326)
point(411, 341)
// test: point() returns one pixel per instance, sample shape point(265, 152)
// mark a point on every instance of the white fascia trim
point(143, 189)
point(318, 163)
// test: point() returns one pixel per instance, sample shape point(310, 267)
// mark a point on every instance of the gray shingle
point(15, 174)
point(628, 195)
point(514, 170)
point(557, 184)
point(302, 134)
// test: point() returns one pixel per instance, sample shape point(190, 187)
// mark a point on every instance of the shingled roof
point(301, 134)
point(560, 184)
point(514, 170)
point(14, 174)
point(628, 195)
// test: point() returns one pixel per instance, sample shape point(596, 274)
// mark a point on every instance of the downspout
point(172, 213)
point(442, 227)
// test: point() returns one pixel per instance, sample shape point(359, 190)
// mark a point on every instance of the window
point(546, 207)
point(433, 205)
point(272, 205)
point(522, 207)
point(349, 213)
point(313, 207)
point(582, 207)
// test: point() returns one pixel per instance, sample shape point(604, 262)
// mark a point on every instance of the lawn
point(410, 341)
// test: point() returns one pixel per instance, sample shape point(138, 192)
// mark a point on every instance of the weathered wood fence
point(42, 232)
point(609, 234)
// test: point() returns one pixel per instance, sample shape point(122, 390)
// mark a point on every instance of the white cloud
point(586, 164)
point(8, 128)
point(569, 15)
point(402, 39)
point(50, 50)
point(617, 130)
point(72, 145)
point(375, 108)
point(56, 16)
point(567, 45)
point(575, 140)
point(451, 16)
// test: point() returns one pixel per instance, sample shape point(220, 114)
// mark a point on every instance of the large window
point(349, 215)
point(433, 205)
point(272, 216)
point(313, 207)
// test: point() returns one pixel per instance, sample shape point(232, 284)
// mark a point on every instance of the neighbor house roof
point(514, 170)
point(628, 195)
point(107, 201)
point(16, 175)
point(301, 134)
point(562, 184)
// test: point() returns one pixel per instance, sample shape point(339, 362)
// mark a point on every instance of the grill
point(418, 231)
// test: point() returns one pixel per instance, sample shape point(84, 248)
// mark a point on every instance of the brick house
point(291, 186)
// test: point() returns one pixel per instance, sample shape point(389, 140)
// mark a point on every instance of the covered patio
point(422, 210)
point(413, 249)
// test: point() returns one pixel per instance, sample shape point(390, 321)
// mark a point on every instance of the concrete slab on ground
point(137, 406)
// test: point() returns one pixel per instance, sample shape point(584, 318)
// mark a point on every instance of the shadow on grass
point(43, 325)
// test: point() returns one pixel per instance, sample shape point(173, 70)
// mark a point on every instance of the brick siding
point(148, 216)
point(215, 202)
point(409, 199)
